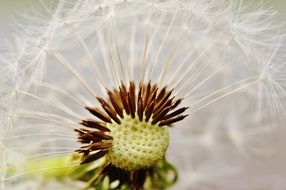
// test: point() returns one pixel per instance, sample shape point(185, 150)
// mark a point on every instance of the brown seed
point(99, 114)
point(149, 110)
point(175, 113)
point(172, 120)
point(162, 106)
point(109, 110)
point(115, 104)
point(93, 157)
point(161, 93)
point(131, 99)
point(160, 115)
point(98, 146)
point(94, 124)
point(150, 102)
point(146, 95)
point(140, 109)
point(100, 135)
point(124, 99)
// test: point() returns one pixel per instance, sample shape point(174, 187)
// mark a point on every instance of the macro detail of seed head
point(137, 145)
point(131, 129)
point(142, 94)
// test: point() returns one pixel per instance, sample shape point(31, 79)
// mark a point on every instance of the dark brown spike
point(154, 87)
point(84, 141)
point(132, 99)
point(141, 88)
point(94, 136)
point(149, 102)
point(115, 104)
point(85, 130)
point(163, 105)
point(160, 115)
point(98, 146)
point(86, 138)
point(124, 99)
point(163, 100)
point(109, 110)
point(116, 93)
point(140, 109)
point(95, 125)
point(177, 102)
point(81, 132)
point(161, 93)
point(149, 110)
point(164, 109)
point(98, 113)
point(152, 96)
point(175, 113)
point(93, 157)
point(100, 135)
point(112, 114)
point(93, 147)
point(172, 120)
point(151, 105)
point(146, 95)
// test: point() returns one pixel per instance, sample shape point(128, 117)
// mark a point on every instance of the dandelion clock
point(126, 94)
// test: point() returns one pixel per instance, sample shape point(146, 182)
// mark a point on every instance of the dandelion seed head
point(133, 132)
point(98, 79)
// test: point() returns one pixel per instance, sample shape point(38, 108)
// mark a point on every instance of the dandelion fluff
point(221, 61)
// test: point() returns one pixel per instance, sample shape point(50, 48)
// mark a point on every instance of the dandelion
point(99, 94)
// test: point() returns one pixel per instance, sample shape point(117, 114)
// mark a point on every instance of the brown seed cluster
point(148, 103)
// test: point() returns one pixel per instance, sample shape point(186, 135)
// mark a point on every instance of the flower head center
point(131, 129)
point(137, 144)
